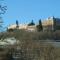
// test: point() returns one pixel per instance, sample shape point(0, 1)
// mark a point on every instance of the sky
point(26, 10)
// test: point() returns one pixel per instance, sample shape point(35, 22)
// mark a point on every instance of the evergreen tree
point(17, 24)
point(32, 23)
point(39, 27)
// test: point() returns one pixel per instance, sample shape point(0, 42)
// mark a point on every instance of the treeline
point(26, 35)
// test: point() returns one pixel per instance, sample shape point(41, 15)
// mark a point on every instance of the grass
point(31, 46)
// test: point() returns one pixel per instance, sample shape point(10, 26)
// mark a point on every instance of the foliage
point(2, 12)
point(2, 9)
point(39, 27)
point(26, 35)
point(17, 24)
point(32, 23)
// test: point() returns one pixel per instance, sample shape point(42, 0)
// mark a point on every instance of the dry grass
point(31, 48)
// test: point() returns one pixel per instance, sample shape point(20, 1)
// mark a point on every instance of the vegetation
point(32, 45)
point(17, 24)
point(39, 27)
point(31, 24)
point(24, 35)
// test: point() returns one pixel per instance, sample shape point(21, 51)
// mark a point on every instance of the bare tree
point(2, 12)
point(2, 8)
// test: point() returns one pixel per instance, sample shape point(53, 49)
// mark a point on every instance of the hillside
point(32, 45)
point(28, 35)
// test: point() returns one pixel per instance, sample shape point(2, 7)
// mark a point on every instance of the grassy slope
point(32, 48)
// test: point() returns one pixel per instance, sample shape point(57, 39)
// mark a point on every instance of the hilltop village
point(49, 24)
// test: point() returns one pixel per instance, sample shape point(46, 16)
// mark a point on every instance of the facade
point(51, 24)
point(31, 28)
point(48, 24)
point(23, 26)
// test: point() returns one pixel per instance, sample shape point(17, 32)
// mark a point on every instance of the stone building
point(23, 26)
point(51, 24)
point(27, 27)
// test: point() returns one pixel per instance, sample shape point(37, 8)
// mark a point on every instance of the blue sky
point(26, 10)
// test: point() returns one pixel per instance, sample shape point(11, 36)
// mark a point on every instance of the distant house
point(27, 27)
point(51, 23)
point(31, 26)
point(23, 26)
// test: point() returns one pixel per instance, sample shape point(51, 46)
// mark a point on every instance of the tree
point(31, 23)
point(2, 12)
point(39, 27)
point(2, 8)
point(17, 24)
point(1, 23)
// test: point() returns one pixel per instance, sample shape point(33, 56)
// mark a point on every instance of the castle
point(27, 27)
point(49, 24)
